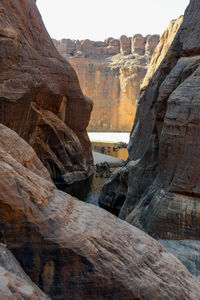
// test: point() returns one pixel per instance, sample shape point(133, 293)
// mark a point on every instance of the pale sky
point(98, 20)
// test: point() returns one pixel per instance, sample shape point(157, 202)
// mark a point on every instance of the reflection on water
point(110, 149)
point(87, 190)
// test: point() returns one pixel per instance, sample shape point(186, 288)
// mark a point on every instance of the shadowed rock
point(164, 146)
point(14, 283)
point(74, 250)
point(40, 97)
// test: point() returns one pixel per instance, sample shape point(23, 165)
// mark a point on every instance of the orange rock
point(138, 44)
point(125, 45)
point(111, 78)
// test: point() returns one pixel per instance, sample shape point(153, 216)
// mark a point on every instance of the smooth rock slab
point(74, 250)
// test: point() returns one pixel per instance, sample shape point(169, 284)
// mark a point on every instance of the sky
point(99, 19)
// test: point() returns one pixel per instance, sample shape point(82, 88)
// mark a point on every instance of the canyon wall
point(40, 96)
point(162, 172)
point(71, 249)
point(110, 73)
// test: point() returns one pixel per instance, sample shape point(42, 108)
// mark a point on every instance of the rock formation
point(124, 45)
point(115, 189)
point(110, 73)
point(160, 51)
point(14, 283)
point(40, 97)
point(163, 168)
point(74, 250)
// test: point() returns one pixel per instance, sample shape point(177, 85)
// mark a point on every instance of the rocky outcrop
point(14, 283)
point(124, 45)
point(160, 51)
point(74, 250)
point(114, 85)
point(163, 172)
point(110, 73)
point(40, 97)
point(115, 189)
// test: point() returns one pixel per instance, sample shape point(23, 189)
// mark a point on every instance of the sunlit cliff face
point(110, 73)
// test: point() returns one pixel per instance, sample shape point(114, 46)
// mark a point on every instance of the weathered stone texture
point(14, 283)
point(74, 250)
point(138, 44)
point(40, 97)
point(111, 76)
point(161, 49)
point(114, 86)
point(163, 169)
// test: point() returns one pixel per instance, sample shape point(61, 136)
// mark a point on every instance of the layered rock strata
point(114, 191)
point(110, 73)
point(14, 283)
point(163, 172)
point(40, 97)
point(74, 250)
point(137, 44)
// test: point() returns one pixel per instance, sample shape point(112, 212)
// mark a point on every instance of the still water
point(106, 143)
point(109, 136)
point(87, 190)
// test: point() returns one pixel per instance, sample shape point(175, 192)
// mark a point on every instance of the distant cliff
point(110, 73)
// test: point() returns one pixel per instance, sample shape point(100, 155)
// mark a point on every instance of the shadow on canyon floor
point(89, 190)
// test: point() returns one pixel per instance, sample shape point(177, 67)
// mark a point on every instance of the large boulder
point(40, 97)
point(163, 195)
point(74, 250)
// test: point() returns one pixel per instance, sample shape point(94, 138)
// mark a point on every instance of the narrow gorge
point(54, 246)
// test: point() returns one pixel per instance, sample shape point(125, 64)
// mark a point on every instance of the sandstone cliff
point(163, 169)
point(161, 49)
point(74, 250)
point(40, 97)
point(110, 73)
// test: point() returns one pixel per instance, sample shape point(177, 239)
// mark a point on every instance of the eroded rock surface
point(161, 49)
point(187, 251)
point(110, 73)
point(163, 169)
point(74, 250)
point(40, 97)
point(14, 283)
